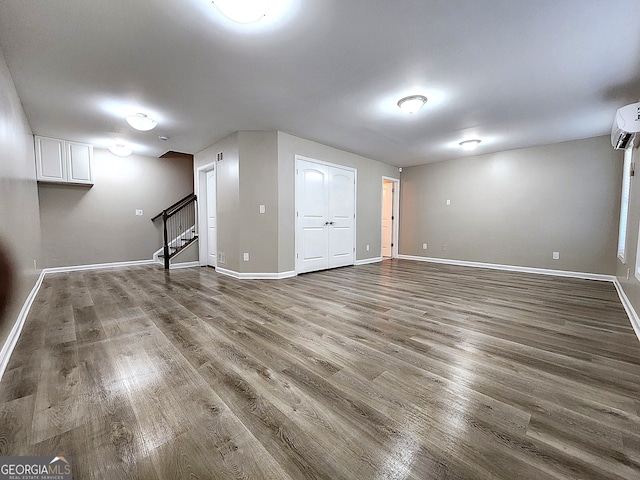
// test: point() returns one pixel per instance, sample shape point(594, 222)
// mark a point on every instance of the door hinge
point(392, 245)
point(297, 256)
point(392, 217)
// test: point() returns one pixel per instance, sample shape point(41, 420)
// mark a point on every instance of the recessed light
point(141, 122)
point(120, 149)
point(412, 103)
point(470, 145)
point(243, 11)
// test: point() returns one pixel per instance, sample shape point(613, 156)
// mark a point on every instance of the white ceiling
point(512, 73)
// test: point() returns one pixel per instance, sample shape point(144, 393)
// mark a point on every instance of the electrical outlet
point(448, 202)
point(222, 258)
point(263, 209)
point(139, 213)
point(424, 246)
point(367, 248)
point(245, 256)
point(444, 247)
point(556, 255)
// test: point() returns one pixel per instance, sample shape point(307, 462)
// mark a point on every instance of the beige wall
point(631, 286)
point(517, 207)
point(368, 198)
point(82, 225)
point(19, 213)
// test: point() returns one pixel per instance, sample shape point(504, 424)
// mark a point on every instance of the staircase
point(179, 227)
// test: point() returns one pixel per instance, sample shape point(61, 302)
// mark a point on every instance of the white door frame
point(395, 212)
point(295, 210)
point(201, 193)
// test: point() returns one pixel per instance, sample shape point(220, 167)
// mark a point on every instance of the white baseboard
point(255, 276)
point(631, 312)
point(366, 261)
point(177, 266)
point(514, 268)
point(97, 266)
point(14, 334)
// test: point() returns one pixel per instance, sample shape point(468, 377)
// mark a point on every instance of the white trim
point(366, 261)
point(97, 266)
point(514, 268)
point(628, 307)
point(14, 334)
point(177, 266)
point(255, 276)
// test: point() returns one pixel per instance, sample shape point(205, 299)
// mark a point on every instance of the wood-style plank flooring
point(396, 370)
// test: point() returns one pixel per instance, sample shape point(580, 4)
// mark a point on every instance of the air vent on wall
point(219, 156)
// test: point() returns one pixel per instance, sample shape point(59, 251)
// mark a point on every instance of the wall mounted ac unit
point(626, 127)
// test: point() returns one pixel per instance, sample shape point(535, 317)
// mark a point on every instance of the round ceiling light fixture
point(120, 149)
point(470, 145)
point(412, 103)
point(243, 11)
point(141, 122)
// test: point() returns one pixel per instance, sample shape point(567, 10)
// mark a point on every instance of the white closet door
point(312, 197)
point(342, 204)
point(325, 209)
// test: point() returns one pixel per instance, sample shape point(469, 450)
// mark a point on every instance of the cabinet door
point(51, 165)
point(79, 163)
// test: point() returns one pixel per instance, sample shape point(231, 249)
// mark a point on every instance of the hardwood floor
point(398, 370)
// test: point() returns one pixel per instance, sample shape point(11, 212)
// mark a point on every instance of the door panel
point(325, 202)
point(311, 200)
point(341, 213)
point(212, 233)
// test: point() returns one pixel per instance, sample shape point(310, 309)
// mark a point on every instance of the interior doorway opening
point(207, 219)
point(390, 212)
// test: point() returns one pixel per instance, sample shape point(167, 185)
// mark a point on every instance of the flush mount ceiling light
point(243, 11)
point(140, 121)
point(120, 149)
point(470, 145)
point(412, 103)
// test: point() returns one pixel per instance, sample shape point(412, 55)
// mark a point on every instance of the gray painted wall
point(227, 196)
point(258, 169)
point(368, 197)
point(631, 286)
point(258, 186)
point(517, 207)
point(19, 213)
point(83, 226)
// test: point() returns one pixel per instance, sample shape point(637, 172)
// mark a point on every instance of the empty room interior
point(291, 239)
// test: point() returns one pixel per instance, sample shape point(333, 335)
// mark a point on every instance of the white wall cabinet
point(61, 161)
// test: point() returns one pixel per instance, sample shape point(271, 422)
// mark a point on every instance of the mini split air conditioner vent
point(625, 132)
